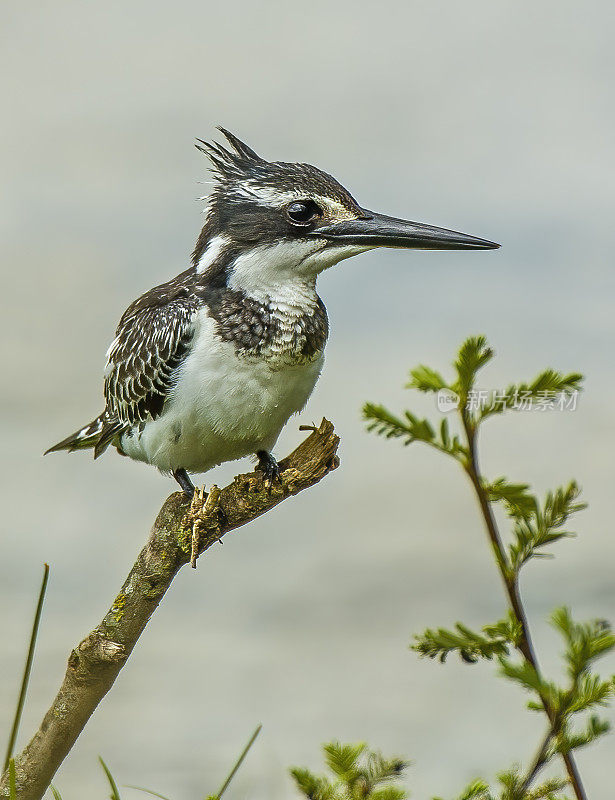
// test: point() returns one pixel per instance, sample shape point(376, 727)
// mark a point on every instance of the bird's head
point(271, 221)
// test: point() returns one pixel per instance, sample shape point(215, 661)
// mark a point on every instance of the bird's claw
point(269, 467)
point(203, 515)
point(197, 503)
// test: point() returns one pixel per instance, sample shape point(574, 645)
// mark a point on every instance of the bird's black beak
point(378, 230)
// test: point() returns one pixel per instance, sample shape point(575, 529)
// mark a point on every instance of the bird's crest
point(240, 173)
point(232, 163)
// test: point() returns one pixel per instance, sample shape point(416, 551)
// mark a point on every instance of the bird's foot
point(196, 507)
point(203, 515)
point(269, 467)
point(182, 477)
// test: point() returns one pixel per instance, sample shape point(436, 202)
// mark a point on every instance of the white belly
point(224, 406)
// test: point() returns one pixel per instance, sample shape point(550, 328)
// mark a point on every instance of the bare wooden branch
point(96, 662)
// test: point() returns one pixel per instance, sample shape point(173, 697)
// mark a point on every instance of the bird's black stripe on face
point(245, 225)
point(250, 224)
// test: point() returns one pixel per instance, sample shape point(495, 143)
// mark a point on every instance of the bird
point(209, 366)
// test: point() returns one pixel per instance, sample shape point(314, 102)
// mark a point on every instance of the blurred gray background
point(492, 118)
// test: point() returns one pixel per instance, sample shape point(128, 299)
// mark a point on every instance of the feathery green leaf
point(595, 728)
point(550, 389)
point(426, 379)
point(495, 640)
point(473, 354)
point(312, 786)
point(342, 759)
point(585, 641)
point(357, 773)
point(518, 501)
point(543, 526)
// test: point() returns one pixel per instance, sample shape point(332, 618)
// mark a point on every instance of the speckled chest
point(282, 331)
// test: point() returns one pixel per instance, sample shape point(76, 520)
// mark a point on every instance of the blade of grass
point(55, 793)
point(226, 783)
point(12, 780)
point(27, 669)
point(239, 762)
point(147, 791)
point(115, 794)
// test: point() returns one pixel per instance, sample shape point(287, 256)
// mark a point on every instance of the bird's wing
point(152, 339)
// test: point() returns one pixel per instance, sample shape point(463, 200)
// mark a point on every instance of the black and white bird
point(209, 366)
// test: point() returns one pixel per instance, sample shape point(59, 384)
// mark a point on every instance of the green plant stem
point(27, 669)
point(511, 585)
point(540, 759)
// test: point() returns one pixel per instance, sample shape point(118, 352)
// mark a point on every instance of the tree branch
point(96, 662)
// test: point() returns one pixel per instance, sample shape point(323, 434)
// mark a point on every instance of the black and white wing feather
point(152, 339)
point(151, 342)
point(142, 361)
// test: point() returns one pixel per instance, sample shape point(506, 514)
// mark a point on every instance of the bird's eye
point(302, 212)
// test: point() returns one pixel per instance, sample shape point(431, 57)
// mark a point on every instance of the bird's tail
point(97, 434)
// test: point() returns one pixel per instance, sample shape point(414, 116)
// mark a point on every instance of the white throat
point(270, 269)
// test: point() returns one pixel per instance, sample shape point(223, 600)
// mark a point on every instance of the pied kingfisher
point(209, 366)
